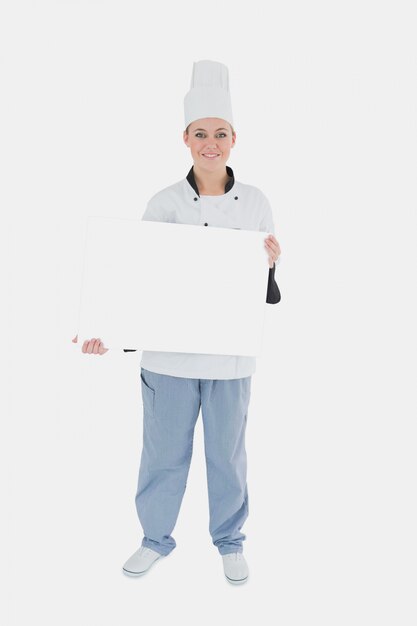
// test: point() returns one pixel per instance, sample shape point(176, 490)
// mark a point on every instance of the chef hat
point(209, 94)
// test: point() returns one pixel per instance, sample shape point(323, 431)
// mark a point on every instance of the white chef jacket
point(241, 206)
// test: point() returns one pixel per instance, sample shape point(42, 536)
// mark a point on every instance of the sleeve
point(273, 295)
point(153, 213)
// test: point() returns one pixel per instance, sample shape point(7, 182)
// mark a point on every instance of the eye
point(199, 134)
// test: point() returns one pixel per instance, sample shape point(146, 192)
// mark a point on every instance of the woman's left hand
point(273, 249)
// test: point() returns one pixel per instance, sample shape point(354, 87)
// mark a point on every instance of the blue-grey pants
point(171, 405)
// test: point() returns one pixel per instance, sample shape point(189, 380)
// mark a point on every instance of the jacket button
point(195, 199)
point(206, 224)
point(235, 197)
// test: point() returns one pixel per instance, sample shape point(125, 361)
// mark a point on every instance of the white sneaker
point(235, 568)
point(141, 561)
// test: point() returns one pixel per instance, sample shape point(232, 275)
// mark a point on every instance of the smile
point(211, 156)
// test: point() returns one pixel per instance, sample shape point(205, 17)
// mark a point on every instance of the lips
point(210, 155)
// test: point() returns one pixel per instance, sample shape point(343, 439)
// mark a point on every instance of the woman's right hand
point(92, 346)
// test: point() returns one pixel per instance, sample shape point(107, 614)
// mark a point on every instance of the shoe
point(141, 561)
point(235, 568)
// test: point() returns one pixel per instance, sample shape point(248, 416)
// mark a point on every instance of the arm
point(273, 295)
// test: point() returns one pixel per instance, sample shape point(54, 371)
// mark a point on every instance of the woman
point(176, 385)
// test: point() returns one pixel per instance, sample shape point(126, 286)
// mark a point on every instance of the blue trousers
point(171, 406)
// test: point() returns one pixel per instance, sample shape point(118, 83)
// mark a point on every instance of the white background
point(324, 102)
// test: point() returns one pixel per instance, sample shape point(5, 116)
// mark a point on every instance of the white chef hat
point(209, 94)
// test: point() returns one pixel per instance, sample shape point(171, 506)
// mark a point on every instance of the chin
point(216, 161)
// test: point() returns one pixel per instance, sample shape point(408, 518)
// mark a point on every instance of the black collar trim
point(227, 187)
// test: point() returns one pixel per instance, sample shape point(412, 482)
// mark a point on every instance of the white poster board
point(173, 287)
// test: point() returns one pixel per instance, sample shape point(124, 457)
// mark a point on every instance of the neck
point(210, 183)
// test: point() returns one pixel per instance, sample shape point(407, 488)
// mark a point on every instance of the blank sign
point(173, 287)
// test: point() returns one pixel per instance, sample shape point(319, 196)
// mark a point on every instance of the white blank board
point(173, 287)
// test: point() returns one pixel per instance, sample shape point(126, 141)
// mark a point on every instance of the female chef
point(175, 385)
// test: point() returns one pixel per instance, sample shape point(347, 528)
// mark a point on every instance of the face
point(210, 135)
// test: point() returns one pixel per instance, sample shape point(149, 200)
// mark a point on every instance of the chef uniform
point(176, 384)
